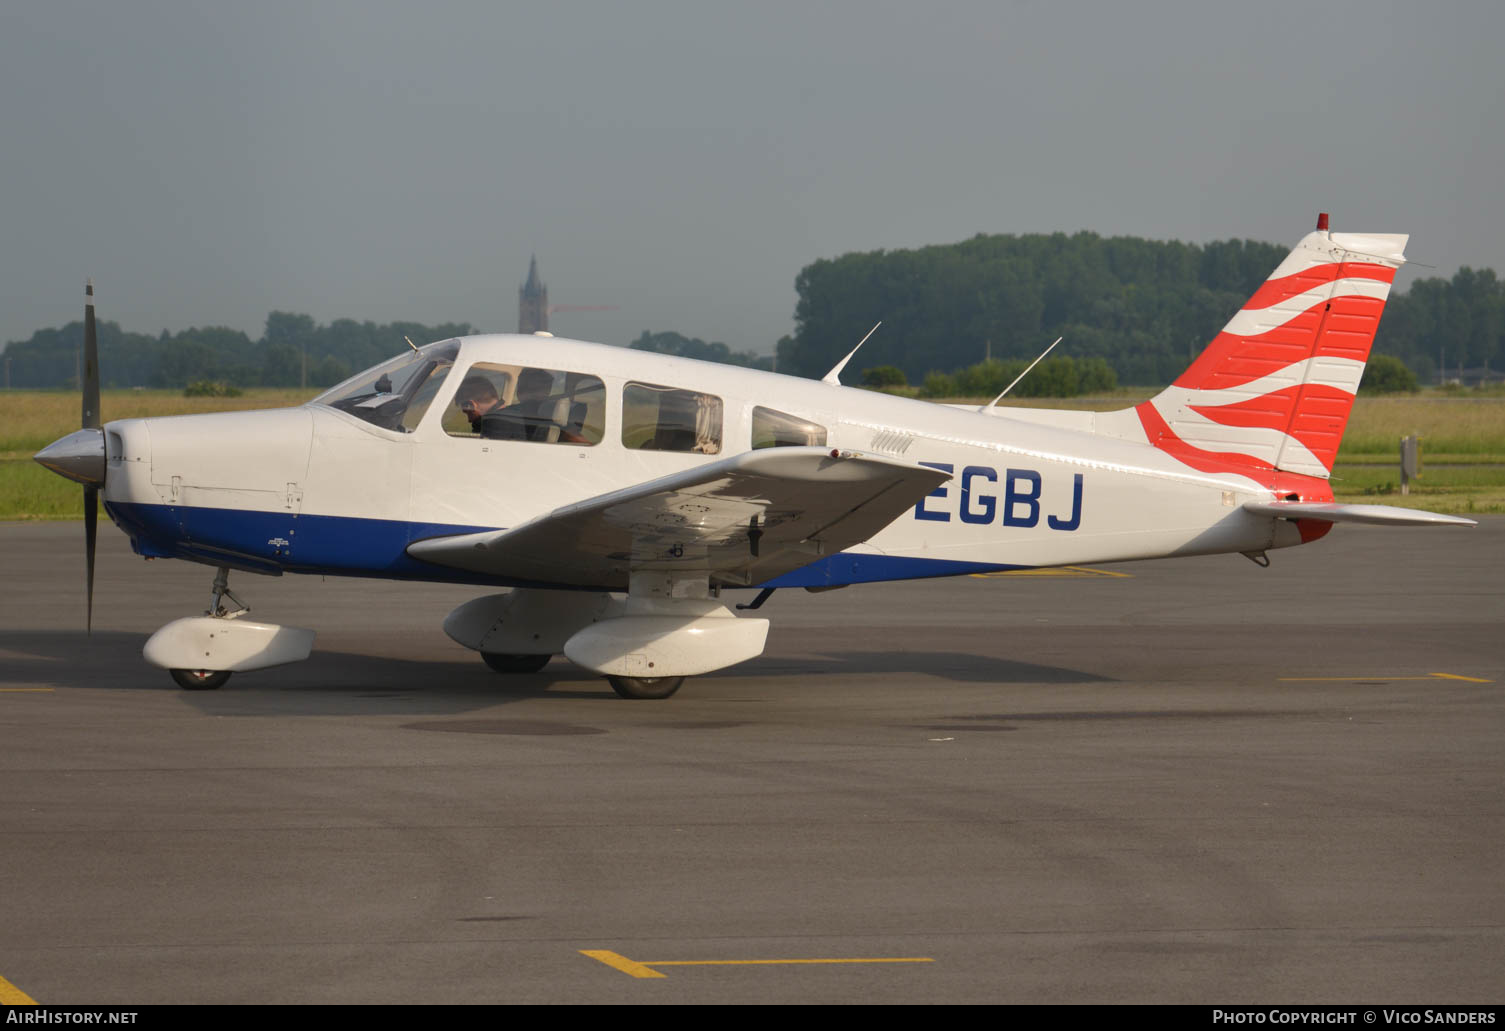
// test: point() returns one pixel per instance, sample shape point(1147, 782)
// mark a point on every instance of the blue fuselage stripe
point(278, 542)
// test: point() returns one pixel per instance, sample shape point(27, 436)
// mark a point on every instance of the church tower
point(533, 302)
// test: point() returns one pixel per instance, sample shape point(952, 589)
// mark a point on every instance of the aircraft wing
point(1331, 512)
point(742, 520)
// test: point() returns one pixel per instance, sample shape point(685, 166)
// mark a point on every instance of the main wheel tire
point(504, 663)
point(645, 687)
point(200, 679)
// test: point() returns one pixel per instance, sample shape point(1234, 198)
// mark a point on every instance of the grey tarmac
point(1196, 782)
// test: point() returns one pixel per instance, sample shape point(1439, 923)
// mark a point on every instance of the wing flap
point(745, 519)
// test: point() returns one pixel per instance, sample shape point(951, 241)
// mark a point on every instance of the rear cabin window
point(656, 418)
point(779, 429)
point(528, 403)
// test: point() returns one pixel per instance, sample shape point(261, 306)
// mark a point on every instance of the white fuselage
point(315, 489)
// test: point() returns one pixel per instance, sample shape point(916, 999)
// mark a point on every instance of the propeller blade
point(91, 362)
point(91, 519)
point(90, 422)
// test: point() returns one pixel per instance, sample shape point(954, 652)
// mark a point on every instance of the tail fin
point(1274, 389)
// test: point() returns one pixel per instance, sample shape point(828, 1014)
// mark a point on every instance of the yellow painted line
point(1384, 676)
point(22, 690)
point(619, 962)
point(1057, 571)
point(10, 995)
point(645, 969)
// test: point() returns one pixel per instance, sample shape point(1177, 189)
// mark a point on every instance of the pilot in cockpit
point(534, 415)
point(478, 399)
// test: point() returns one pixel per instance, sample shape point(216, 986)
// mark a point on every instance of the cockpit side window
point(779, 429)
point(395, 394)
point(656, 418)
point(424, 396)
point(528, 403)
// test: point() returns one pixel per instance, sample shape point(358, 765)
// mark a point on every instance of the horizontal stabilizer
point(1331, 512)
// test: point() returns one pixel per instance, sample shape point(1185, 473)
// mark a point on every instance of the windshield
point(395, 394)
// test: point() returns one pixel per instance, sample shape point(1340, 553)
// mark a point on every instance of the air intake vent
point(895, 442)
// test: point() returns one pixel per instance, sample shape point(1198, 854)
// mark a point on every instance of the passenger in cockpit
point(537, 413)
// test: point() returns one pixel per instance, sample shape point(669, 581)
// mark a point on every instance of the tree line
point(293, 350)
point(693, 347)
point(1130, 309)
point(1144, 307)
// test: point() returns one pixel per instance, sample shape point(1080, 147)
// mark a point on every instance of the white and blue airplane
point(617, 493)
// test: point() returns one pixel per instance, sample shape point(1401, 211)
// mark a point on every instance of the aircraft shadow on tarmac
point(350, 683)
point(948, 665)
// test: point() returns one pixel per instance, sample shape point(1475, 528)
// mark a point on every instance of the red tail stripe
point(1272, 291)
point(1163, 437)
point(1321, 413)
point(1305, 488)
point(1232, 361)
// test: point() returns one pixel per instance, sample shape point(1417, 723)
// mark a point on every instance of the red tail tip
point(1321, 221)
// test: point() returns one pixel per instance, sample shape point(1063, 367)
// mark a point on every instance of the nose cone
point(79, 456)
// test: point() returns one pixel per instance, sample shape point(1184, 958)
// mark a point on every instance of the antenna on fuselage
point(834, 376)
point(413, 346)
point(1023, 374)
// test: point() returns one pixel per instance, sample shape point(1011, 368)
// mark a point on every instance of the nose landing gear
point(213, 679)
point(201, 652)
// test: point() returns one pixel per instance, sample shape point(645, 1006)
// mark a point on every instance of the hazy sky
point(207, 163)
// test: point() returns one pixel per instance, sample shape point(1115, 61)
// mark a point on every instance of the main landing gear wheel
point(645, 687)
point(200, 679)
point(504, 663)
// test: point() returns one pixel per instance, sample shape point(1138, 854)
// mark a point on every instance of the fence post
point(1410, 462)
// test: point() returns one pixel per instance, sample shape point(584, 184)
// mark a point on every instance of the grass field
point(31, 419)
point(1463, 444)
